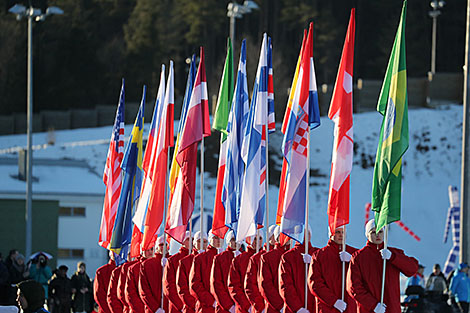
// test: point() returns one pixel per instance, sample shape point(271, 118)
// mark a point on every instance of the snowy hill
point(431, 164)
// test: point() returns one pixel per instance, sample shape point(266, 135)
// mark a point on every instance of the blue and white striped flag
point(253, 196)
point(234, 165)
point(453, 219)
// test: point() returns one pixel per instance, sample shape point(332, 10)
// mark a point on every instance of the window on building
point(71, 211)
point(70, 253)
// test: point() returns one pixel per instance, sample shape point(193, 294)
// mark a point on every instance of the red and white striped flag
point(112, 177)
point(341, 114)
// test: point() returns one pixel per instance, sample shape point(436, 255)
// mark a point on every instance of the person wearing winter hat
point(460, 287)
point(30, 297)
point(364, 279)
point(251, 277)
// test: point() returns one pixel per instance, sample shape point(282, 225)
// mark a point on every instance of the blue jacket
point(460, 287)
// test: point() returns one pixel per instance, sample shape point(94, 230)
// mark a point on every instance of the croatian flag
point(304, 113)
point(148, 166)
point(112, 176)
point(253, 196)
point(341, 113)
point(234, 166)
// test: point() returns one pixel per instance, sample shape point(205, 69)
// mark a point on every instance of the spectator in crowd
point(18, 272)
point(4, 287)
point(82, 290)
point(417, 279)
point(11, 258)
point(30, 297)
point(41, 272)
point(460, 288)
point(60, 291)
point(436, 282)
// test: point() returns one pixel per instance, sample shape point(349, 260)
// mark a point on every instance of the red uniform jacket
point(269, 279)
point(219, 277)
point(150, 283)
point(101, 284)
point(324, 279)
point(115, 305)
point(251, 283)
point(364, 279)
point(200, 280)
point(292, 280)
point(236, 280)
point(169, 280)
point(121, 290)
point(182, 283)
point(132, 288)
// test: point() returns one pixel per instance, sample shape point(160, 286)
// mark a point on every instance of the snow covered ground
point(431, 164)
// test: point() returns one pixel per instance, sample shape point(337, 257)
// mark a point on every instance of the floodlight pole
point(29, 155)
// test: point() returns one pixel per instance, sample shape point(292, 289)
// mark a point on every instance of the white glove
point(340, 305)
point(380, 308)
point(386, 254)
point(249, 310)
point(344, 256)
point(282, 310)
point(215, 303)
point(164, 261)
point(307, 258)
point(449, 302)
point(201, 251)
point(160, 310)
point(303, 310)
point(232, 309)
point(237, 253)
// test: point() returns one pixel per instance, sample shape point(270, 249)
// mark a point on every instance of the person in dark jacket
point(82, 290)
point(18, 272)
point(30, 297)
point(60, 291)
point(4, 286)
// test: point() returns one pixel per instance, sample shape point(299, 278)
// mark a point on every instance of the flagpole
point(306, 242)
point(344, 264)
point(257, 241)
point(385, 262)
point(267, 190)
point(165, 211)
point(201, 217)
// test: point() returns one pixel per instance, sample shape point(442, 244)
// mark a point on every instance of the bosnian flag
point(341, 114)
point(148, 166)
point(304, 113)
point(253, 197)
point(196, 126)
point(234, 166)
point(112, 176)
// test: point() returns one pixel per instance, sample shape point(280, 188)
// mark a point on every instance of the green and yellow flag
point(393, 142)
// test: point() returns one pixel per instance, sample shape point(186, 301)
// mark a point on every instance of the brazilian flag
point(393, 142)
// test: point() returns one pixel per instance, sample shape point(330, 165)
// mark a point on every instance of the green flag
point(393, 141)
point(224, 100)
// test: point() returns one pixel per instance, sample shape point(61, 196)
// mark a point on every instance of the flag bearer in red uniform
point(219, 275)
point(200, 276)
point(325, 279)
point(115, 305)
point(121, 289)
point(251, 277)
point(292, 278)
point(182, 275)
point(169, 277)
point(364, 280)
point(132, 295)
point(101, 284)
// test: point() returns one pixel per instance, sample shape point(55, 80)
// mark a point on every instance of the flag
point(234, 168)
point(112, 174)
point(224, 101)
point(253, 152)
point(341, 113)
point(165, 138)
point(303, 113)
point(130, 192)
point(196, 126)
point(393, 140)
point(453, 218)
point(148, 166)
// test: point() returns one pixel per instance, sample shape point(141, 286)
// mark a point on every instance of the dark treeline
point(81, 56)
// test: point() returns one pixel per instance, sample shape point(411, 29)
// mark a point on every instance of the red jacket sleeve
point(114, 304)
point(196, 284)
point(235, 285)
point(287, 284)
point(268, 288)
point(356, 288)
point(251, 285)
point(219, 284)
point(132, 292)
point(182, 283)
point(100, 288)
point(405, 264)
point(150, 285)
point(317, 283)
point(169, 283)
